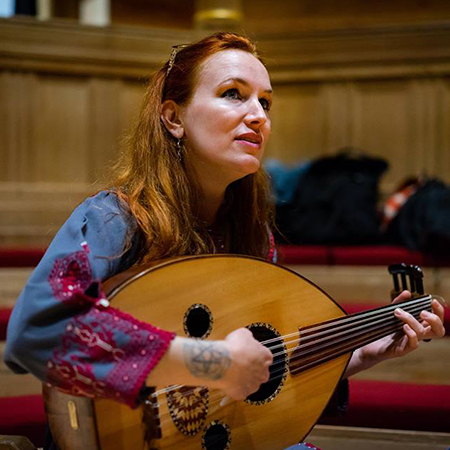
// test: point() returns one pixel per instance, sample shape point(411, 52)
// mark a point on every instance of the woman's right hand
point(237, 365)
point(249, 364)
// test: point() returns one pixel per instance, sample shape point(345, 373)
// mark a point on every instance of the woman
point(191, 183)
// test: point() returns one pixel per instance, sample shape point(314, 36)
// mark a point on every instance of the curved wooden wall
point(68, 93)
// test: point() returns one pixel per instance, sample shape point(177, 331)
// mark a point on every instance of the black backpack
point(335, 202)
point(423, 222)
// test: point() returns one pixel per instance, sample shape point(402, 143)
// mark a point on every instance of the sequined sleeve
point(64, 332)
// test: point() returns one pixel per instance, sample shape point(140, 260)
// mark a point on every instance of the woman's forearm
point(192, 362)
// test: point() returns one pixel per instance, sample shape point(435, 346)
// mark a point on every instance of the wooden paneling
point(313, 15)
point(69, 93)
point(60, 130)
point(404, 121)
point(298, 117)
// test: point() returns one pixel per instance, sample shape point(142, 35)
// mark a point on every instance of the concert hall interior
point(360, 86)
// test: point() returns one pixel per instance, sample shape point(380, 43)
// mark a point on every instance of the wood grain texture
point(69, 93)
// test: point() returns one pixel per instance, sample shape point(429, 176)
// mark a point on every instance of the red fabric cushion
point(405, 406)
point(376, 255)
point(23, 416)
point(304, 254)
point(20, 257)
point(366, 255)
point(5, 313)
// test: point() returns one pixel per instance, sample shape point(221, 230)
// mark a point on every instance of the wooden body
point(239, 291)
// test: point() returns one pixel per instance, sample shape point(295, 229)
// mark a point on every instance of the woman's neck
point(209, 206)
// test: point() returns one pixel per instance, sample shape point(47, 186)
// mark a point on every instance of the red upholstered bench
point(23, 416)
point(4, 317)
point(304, 254)
point(20, 257)
point(362, 255)
point(405, 406)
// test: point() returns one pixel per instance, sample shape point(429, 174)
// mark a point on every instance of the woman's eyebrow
point(243, 82)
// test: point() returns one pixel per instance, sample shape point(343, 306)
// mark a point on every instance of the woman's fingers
point(409, 319)
point(413, 340)
point(404, 295)
point(250, 364)
point(433, 321)
point(431, 325)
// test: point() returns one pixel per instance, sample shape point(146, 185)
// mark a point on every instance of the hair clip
point(173, 55)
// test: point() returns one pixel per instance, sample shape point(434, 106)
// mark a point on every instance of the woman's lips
point(251, 139)
point(249, 143)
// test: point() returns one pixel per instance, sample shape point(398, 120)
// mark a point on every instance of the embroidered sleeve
point(62, 328)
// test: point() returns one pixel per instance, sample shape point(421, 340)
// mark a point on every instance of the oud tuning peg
point(416, 274)
point(398, 272)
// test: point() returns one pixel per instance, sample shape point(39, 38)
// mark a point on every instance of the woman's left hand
point(429, 326)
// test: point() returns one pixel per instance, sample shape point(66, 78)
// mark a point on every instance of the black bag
point(423, 222)
point(335, 202)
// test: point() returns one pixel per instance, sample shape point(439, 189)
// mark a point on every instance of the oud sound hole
point(217, 436)
point(198, 321)
point(278, 369)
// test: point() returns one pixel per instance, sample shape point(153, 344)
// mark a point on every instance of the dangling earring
point(180, 149)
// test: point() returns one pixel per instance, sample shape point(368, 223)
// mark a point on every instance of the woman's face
point(226, 122)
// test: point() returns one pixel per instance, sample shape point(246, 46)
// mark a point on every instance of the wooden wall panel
point(298, 118)
point(379, 124)
point(60, 130)
point(404, 121)
point(17, 117)
point(68, 95)
point(104, 125)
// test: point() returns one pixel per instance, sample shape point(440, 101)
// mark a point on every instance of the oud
point(206, 297)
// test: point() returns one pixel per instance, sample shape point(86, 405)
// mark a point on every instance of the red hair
point(160, 193)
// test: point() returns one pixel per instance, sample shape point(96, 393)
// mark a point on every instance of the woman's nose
point(256, 114)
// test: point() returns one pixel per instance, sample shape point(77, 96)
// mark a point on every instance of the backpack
point(335, 202)
point(423, 222)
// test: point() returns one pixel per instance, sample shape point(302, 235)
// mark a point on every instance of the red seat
point(20, 257)
point(5, 313)
point(404, 406)
point(23, 416)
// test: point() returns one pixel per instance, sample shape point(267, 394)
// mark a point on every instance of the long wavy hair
point(159, 192)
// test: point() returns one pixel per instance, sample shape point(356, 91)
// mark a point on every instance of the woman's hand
point(237, 365)
point(401, 343)
point(249, 364)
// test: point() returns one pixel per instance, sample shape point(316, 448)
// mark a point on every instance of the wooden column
point(95, 12)
point(44, 9)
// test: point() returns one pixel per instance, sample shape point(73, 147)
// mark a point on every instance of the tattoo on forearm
point(207, 360)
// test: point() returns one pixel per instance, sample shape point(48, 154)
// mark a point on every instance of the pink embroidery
point(104, 352)
point(70, 275)
point(272, 251)
point(307, 444)
point(91, 361)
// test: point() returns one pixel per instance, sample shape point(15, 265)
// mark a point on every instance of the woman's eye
point(232, 93)
point(265, 104)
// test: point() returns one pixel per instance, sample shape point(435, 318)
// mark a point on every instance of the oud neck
point(328, 340)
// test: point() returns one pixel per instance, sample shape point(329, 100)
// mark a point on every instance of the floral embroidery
point(71, 275)
point(104, 352)
point(91, 362)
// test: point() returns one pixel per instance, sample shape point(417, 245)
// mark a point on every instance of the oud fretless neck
point(328, 340)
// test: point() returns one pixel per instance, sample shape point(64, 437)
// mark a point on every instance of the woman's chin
point(249, 166)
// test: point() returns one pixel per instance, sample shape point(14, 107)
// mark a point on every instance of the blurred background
point(370, 75)
point(367, 80)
